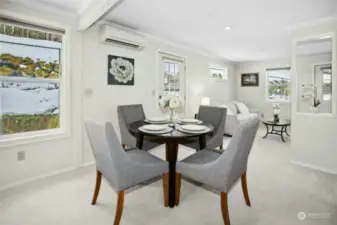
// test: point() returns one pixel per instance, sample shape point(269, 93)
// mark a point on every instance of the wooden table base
point(172, 151)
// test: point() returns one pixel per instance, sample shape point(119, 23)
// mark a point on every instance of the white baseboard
point(313, 167)
point(21, 182)
point(88, 164)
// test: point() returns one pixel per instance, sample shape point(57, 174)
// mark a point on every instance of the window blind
point(27, 25)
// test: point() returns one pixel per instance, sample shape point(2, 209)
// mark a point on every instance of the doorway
point(171, 80)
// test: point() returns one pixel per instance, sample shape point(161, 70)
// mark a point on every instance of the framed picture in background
point(121, 70)
point(249, 79)
point(218, 73)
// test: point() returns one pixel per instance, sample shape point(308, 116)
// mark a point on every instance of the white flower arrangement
point(122, 70)
point(169, 101)
point(276, 108)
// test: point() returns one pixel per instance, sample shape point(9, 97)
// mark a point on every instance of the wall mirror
point(315, 75)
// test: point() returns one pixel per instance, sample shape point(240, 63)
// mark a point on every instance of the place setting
point(162, 125)
point(157, 120)
point(186, 121)
point(193, 128)
point(156, 128)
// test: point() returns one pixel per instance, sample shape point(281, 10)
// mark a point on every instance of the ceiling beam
point(95, 11)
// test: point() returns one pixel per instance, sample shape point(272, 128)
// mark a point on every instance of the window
point(327, 83)
point(278, 88)
point(218, 73)
point(171, 77)
point(30, 79)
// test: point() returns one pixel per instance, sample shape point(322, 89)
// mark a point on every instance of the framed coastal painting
point(121, 70)
point(249, 79)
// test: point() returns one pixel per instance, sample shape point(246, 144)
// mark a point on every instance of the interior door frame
point(174, 56)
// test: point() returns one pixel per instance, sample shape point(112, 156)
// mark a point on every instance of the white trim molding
point(34, 137)
point(65, 129)
point(296, 90)
point(309, 166)
point(22, 182)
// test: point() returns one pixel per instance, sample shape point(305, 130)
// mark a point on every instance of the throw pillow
point(232, 106)
point(242, 108)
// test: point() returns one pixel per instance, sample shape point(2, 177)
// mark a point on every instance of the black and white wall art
point(121, 70)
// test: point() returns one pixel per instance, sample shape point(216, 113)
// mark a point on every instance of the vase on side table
point(276, 118)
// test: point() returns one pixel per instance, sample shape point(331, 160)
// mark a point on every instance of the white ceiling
point(259, 26)
point(75, 6)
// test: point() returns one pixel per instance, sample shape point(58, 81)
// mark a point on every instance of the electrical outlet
point(21, 156)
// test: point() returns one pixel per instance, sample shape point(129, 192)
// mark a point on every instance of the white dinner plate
point(191, 127)
point(167, 130)
point(157, 119)
point(189, 121)
point(161, 122)
point(193, 132)
point(154, 127)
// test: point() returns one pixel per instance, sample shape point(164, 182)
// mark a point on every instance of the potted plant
point(170, 101)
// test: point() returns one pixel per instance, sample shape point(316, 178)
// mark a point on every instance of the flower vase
point(171, 120)
point(276, 118)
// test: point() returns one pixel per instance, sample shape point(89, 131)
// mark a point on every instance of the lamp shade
point(205, 101)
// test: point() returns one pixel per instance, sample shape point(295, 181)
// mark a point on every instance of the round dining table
point(172, 141)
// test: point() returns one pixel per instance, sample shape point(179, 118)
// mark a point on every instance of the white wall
point(47, 157)
point(255, 97)
point(101, 105)
point(313, 136)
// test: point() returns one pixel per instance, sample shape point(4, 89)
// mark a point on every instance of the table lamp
point(205, 101)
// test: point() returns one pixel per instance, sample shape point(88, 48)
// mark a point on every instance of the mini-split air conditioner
point(121, 37)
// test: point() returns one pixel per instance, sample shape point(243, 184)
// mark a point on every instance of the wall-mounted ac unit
point(121, 37)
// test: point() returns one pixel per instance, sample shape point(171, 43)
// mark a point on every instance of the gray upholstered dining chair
point(122, 169)
point(128, 114)
point(222, 171)
point(216, 116)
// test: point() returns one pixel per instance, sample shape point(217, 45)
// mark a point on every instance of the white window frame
point(64, 130)
point(267, 86)
point(217, 67)
point(176, 62)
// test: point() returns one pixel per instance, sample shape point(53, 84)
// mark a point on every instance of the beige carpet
point(278, 192)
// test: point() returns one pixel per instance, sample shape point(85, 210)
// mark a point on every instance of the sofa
point(237, 113)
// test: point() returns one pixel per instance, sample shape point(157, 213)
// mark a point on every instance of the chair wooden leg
point(178, 185)
point(244, 188)
point(224, 208)
point(166, 189)
point(123, 146)
point(119, 207)
point(97, 187)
